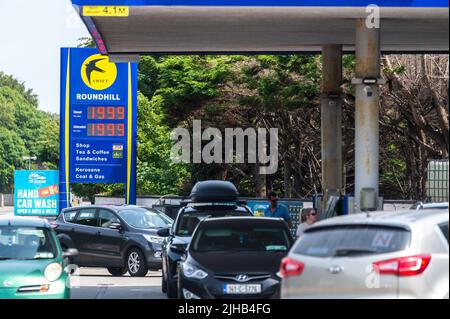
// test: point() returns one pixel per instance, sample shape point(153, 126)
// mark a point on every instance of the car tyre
point(117, 271)
point(172, 291)
point(136, 264)
point(163, 282)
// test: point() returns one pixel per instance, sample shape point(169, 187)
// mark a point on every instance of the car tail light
point(54, 225)
point(403, 266)
point(291, 267)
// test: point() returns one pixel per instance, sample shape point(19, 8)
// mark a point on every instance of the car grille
point(239, 278)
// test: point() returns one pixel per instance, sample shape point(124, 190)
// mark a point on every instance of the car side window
point(444, 230)
point(106, 218)
point(70, 216)
point(87, 217)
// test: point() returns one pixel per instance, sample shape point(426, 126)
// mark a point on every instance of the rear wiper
point(353, 251)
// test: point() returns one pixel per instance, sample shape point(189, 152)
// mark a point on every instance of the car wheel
point(172, 291)
point(117, 271)
point(136, 265)
point(163, 285)
point(180, 291)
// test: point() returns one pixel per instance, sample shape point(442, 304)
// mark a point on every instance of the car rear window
point(350, 240)
point(188, 221)
point(242, 238)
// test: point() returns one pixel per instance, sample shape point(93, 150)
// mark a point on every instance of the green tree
point(24, 130)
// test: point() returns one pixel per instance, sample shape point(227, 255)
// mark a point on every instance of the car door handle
point(72, 229)
point(99, 233)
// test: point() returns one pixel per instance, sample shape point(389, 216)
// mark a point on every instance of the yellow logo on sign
point(98, 73)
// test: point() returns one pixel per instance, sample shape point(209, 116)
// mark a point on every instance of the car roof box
point(214, 191)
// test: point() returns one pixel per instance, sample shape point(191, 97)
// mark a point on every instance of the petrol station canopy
point(270, 26)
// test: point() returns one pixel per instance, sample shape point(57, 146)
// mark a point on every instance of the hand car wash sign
point(36, 193)
point(98, 121)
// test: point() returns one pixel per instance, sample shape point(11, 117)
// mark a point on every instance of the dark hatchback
point(119, 238)
point(234, 257)
point(179, 236)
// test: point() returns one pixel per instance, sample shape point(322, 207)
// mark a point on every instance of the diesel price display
point(106, 113)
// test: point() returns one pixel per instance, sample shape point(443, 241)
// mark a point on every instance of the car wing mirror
point(164, 232)
point(116, 226)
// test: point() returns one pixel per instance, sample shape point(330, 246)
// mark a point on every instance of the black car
point(119, 238)
point(209, 199)
point(235, 257)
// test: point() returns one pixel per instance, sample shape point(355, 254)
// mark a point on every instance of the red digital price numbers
point(105, 129)
point(106, 113)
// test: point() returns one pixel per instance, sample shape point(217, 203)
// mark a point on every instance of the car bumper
point(153, 257)
point(211, 288)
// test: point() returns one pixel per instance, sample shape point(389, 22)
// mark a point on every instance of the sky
point(31, 35)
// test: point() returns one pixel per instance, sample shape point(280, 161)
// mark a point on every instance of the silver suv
point(401, 254)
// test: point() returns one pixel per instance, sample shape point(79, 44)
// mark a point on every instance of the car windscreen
point(241, 238)
point(188, 221)
point(349, 240)
point(26, 243)
point(145, 218)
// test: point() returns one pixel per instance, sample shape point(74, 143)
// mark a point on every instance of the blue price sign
point(36, 193)
point(98, 119)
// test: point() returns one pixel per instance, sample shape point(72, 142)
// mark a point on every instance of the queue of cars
point(216, 248)
point(209, 199)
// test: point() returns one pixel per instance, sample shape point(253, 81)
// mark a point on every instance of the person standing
point(277, 210)
point(310, 217)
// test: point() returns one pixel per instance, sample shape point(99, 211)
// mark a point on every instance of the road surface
point(97, 283)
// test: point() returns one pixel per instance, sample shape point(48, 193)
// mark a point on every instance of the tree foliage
point(251, 92)
point(24, 131)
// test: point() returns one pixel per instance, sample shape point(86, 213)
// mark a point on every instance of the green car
point(32, 263)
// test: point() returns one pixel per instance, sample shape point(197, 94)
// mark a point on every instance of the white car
point(399, 254)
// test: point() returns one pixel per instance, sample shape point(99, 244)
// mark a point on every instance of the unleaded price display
point(105, 129)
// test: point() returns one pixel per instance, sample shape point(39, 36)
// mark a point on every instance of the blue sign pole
point(64, 183)
point(98, 121)
point(130, 185)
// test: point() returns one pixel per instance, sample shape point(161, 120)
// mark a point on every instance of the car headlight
point(154, 239)
point(53, 271)
point(191, 271)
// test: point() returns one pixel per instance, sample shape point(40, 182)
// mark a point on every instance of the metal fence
point(437, 181)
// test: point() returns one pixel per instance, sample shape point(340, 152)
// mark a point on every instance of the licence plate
point(241, 289)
